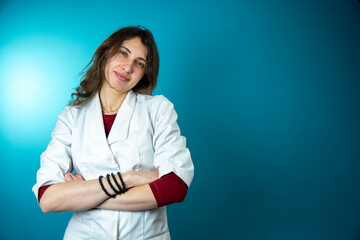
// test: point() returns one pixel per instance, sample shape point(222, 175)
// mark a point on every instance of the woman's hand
point(69, 177)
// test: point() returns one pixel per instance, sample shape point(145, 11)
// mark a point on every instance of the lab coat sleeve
point(56, 160)
point(171, 153)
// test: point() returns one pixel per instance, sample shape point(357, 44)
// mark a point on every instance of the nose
point(127, 67)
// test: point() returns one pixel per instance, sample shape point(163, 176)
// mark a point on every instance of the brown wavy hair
point(94, 72)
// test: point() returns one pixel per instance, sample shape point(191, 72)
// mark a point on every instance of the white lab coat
point(144, 136)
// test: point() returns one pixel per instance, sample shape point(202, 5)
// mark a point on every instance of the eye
point(123, 53)
point(140, 64)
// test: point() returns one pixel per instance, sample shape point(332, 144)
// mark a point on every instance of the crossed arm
point(76, 194)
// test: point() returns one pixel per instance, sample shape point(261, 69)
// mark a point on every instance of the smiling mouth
point(121, 77)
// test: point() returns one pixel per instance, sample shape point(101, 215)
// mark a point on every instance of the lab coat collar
point(120, 129)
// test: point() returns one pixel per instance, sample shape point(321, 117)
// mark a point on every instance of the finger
point(69, 177)
point(79, 177)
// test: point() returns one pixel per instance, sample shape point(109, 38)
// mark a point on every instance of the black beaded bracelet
point(122, 181)
point(117, 184)
point(112, 186)
point(103, 188)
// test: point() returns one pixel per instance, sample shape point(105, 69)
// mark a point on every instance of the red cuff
point(168, 189)
point(41, 191)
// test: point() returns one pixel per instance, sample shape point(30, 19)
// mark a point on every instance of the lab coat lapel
point(94, 118)
point(120, 129)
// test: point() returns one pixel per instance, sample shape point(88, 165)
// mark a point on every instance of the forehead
point(136, 47)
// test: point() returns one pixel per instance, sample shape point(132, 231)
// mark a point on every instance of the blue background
point(267, 94)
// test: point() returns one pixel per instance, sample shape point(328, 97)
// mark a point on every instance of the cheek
point(106, 72)
point(140, 75)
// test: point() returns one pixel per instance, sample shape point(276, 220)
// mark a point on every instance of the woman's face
point(125, 69)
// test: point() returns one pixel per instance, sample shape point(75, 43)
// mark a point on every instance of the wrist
point(128, 179)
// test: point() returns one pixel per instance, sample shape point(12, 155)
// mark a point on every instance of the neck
point(110, 99)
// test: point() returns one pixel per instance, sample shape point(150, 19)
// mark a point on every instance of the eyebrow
point(130, 52)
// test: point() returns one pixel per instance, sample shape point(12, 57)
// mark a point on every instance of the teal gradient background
point(267, 94)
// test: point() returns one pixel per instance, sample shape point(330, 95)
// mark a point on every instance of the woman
point(116, 129)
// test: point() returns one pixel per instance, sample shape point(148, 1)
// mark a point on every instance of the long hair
point(94, 75)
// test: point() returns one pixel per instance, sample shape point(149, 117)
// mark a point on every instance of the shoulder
point(66, 116)
point(158, 108)
point(71, 111)
point(156, 102)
